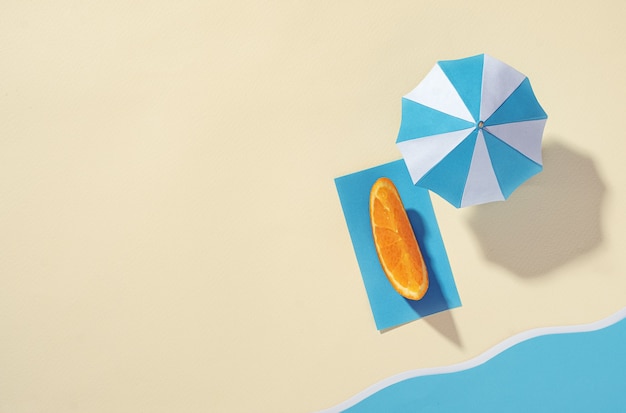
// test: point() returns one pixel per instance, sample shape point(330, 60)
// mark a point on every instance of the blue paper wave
point(559, 369)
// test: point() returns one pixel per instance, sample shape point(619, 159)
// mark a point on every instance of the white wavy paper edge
point(478, 360)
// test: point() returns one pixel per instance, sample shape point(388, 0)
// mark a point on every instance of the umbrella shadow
point(548, 221)
point(433, 307)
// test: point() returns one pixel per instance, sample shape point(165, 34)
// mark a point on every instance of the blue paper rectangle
point(388, 307)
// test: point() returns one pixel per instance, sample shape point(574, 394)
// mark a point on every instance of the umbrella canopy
point(471, 130)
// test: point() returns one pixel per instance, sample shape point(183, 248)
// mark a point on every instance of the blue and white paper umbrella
point(471, 130)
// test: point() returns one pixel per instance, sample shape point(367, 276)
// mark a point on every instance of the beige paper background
point(170, 234)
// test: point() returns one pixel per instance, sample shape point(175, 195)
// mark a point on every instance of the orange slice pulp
point(396, 246)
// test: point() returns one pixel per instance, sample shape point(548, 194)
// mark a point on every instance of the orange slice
point(395, 242)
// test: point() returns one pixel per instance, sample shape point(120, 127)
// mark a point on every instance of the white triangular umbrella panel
point(482, 184)
point(420, 155)
point(499, 81)
point(525, 137)
point(437, 92)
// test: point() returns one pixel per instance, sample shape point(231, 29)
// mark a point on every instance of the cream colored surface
point(170, 234)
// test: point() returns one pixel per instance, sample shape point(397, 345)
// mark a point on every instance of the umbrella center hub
point(481, 124)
